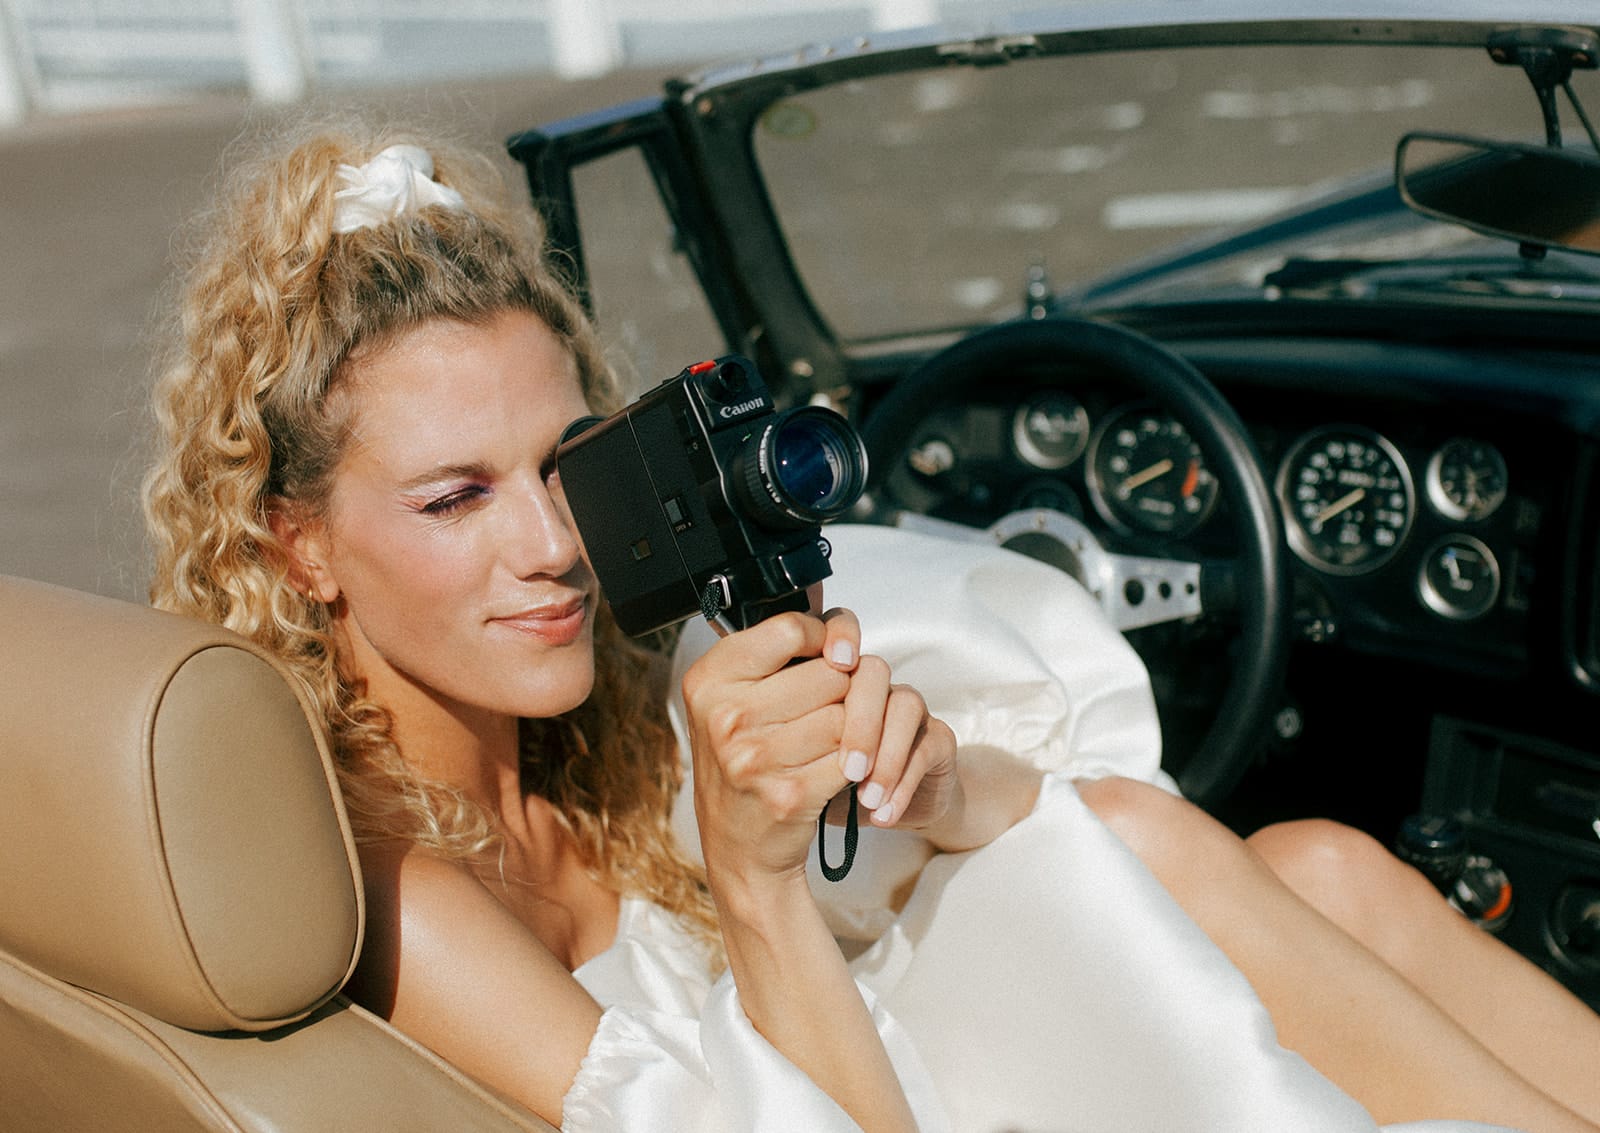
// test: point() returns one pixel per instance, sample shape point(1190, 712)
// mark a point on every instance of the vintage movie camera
point(702, 496)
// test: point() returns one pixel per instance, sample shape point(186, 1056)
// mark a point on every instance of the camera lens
point(810, 465)
point(813, 462)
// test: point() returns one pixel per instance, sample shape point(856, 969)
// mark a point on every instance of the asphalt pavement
point(88, 211)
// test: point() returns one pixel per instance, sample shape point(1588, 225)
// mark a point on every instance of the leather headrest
point(170, 825)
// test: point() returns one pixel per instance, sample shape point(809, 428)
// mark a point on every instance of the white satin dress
point(1045, 983)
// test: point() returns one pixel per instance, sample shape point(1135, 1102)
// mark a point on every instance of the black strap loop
point(851, 834)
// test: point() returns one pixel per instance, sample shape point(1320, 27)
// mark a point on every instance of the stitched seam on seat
point(169, 895)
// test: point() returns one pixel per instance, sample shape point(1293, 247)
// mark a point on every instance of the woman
point(374, 368)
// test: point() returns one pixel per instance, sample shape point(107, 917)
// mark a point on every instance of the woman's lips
point(558, 624)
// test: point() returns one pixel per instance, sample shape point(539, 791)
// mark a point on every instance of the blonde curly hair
point(274, 304)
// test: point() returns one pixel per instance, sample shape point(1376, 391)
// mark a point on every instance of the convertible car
point(1277, 330)
point(1279, 335)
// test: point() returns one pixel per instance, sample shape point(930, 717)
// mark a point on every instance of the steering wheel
point(1133, 590)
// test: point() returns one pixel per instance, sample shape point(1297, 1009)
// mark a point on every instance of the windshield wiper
point(1499, 277)
point(1313, 275)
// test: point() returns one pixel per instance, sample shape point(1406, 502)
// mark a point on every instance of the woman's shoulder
point(421, 907)
point(401, 876)
point(385, 862)
point(448, 964)
point(430, 895)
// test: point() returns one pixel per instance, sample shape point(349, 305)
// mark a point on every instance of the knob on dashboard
point(1438, 846)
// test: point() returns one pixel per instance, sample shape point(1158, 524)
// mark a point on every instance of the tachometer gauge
point(1347, 499)
point(1146, 474)
point(1466, 479)
point(1050, 429)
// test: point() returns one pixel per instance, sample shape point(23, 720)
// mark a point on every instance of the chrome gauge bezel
point(1028, 448)
point(1301, 540)
point(1447, 605)
point(1439, 494)
point(1125, 520)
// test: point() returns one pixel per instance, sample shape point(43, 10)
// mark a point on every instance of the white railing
point(62, 55)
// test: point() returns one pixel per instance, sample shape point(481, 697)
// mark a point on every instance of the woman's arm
point(994, 791)
point(766, 715)
point(450, 966)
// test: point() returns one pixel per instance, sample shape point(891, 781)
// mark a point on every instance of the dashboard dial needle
point(1139, 479)
point(1348, 500)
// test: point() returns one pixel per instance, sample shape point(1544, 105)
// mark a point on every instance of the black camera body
point(702, 496)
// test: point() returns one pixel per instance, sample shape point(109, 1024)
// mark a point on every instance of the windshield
point(920, 201)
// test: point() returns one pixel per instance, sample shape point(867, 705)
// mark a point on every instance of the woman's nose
point(542, 540)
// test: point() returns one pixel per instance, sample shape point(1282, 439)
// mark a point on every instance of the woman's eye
point(453, 501)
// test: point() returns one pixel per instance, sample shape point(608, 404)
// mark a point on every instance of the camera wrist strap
point(716, 604)
point(851, 834)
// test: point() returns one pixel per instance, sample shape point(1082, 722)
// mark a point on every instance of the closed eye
point(454, 501)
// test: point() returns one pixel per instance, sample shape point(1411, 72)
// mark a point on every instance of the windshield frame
point(716, 195)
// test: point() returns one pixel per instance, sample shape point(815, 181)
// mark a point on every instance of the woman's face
point(447, 535)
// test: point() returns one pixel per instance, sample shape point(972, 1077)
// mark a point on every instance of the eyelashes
point(460, 498)
point(454, 501)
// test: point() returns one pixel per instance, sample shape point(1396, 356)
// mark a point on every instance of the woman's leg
point(1332, 999)
point(1522, 1014)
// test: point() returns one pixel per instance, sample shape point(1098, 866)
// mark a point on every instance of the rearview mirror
point(1529, 193)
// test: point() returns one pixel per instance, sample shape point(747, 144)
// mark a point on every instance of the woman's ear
point(304, 540)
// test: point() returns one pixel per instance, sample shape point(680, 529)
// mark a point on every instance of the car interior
point(1332, 469)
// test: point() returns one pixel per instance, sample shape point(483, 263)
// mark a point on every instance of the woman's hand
point(904, 761)
point(902, 758)
point(766, 709)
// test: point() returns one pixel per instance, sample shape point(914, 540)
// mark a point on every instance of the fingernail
point(884, 814)
point(856, 766)
point(842, 653)
point(871, 796)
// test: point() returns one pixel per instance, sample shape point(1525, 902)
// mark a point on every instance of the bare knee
point(1351, 878)
point(1145, 817)
point(1198, 859)
point(1329, 864)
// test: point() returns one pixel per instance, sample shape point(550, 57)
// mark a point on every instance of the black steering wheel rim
point(1176, 386)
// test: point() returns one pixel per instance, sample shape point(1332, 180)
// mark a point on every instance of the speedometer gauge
point(1348, 499)
point(1146, 474)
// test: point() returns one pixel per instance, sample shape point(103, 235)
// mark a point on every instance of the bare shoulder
point(449, 965)
point(401, 881)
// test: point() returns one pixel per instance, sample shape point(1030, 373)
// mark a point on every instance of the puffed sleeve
point(650, 1071)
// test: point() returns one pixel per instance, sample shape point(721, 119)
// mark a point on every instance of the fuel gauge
point(1460, 578)
point(1050, 429)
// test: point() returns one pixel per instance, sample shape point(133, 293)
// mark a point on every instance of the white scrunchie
point(396, 181)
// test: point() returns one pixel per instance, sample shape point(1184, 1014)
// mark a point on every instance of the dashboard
point(1411, 528)
point(1440, 501)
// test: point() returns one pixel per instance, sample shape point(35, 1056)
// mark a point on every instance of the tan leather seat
point(180, 901)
